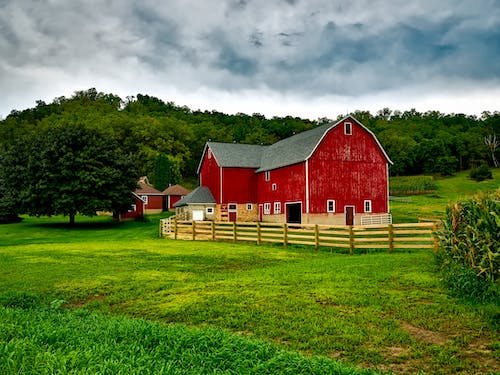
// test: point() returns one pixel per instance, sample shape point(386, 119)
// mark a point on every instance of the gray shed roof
point(201, 194)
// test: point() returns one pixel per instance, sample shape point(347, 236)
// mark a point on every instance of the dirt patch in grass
point(97, 297)
point(425, 335)
point(479, 351)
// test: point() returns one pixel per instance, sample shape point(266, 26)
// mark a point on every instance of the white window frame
point(232, 207)
point(348, 128)
point(274, 187)
point(267, 175)
point(367, 206)
point(277, 208)
point(144, 199)
point(267, 208)
point(210, 210)
point(249, 206)
point(332, 202)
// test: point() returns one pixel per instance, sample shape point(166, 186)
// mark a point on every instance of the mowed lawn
point(379, 311)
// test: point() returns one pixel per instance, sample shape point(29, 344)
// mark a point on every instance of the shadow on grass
point(81, 225)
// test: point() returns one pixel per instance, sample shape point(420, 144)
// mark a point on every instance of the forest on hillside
point(149, 129)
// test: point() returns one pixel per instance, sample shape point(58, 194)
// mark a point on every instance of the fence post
point(194, 230)
point(316, 237)
point(351, 240)
point(285, 235)
point(435, 235)
point(213, 230)
point(258, 233)
point(235, 237)
point(391, 238)
point(175, 229)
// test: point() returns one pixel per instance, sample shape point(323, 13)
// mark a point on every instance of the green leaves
point(470, 247)
point(70, 169)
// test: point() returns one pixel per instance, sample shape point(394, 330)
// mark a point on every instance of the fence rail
point(387, 237)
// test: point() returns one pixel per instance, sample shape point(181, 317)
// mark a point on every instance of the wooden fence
point(386, 237)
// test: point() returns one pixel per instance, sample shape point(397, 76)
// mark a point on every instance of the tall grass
point(470, 247)
point(48, 341)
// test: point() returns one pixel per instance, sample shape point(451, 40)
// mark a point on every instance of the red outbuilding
point(136, 209)
point(336, 173)
point(152, 198)
point(173, 194)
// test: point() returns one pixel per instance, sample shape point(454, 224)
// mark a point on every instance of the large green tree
point(70, 169)
point(7, 204)
point(166, 171)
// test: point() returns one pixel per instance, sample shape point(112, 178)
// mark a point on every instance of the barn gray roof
point(236, 154)
point(201, 194)
point(292, 150)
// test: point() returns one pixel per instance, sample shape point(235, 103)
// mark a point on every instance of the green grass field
point(113, 298)
point(449, 189)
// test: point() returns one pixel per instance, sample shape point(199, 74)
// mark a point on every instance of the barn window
point(249, 206)
point(267, 175)
point(132, 208)
point(267, 208)
point(274, 187)
point(330, 205)
point(368, 206)
point(210, 210)
point(277, 208)
point(232, 207)
point(144, 198)
point(347, 128)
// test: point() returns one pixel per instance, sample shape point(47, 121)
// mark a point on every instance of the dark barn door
point(294, 213)
point(233, 210)
point(349, 215)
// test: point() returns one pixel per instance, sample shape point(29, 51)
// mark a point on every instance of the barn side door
point(349, 215)
point(233, 211)
point(294, 213)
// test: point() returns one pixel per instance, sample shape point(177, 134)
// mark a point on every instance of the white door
point(198, 215)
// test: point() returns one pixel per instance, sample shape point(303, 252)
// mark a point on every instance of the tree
point(166, 171)
point(7, 205)
point(492, 144)
point(68, 170)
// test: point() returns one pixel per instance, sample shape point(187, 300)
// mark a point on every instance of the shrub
point(469, 253)
point(481, 173)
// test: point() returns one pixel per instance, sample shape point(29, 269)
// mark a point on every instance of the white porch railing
point(376, 219)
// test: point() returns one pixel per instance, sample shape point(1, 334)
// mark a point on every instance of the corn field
point(470, 246)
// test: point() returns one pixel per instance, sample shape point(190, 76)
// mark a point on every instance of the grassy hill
point(104, 297)
point(448, 189)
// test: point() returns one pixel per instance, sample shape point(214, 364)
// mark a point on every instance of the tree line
point(165, 141)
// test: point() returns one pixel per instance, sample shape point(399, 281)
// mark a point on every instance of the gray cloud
point(308, 49)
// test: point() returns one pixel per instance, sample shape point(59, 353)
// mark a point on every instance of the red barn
point(152, 198)
point(334, 173)
point(173, 194)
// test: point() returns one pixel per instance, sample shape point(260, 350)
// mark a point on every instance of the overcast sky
point(314, 58)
